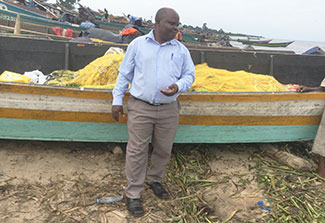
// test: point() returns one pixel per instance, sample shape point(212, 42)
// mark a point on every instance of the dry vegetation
point(60, 182)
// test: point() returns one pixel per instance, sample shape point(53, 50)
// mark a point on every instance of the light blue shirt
point(132, 19)
point(150, 66)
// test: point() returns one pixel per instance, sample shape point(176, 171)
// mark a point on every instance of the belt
point(152, 104)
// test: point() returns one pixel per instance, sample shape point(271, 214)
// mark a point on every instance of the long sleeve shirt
point(149, 66)
point(132, 19)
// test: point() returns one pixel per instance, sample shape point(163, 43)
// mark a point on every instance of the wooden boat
point(24, 9)
point(30, 28)
point(250, 42)
point(33, 112)
point(280, 44)
point(9, 15)
point(40, 112)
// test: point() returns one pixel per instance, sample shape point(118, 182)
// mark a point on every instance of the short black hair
point(162, 12)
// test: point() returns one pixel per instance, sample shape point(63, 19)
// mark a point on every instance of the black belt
point(153, 104)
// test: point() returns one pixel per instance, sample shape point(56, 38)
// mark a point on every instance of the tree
point(69, 4)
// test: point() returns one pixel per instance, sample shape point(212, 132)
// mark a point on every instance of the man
point(159, 68)
point(135, 20)
point(319, 142)
point(83, 17)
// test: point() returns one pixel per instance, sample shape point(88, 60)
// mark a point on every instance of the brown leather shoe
point(159, 190)
point(135, 207)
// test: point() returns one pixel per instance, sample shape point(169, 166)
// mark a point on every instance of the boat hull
point(282, 44)
point(10, 15)
point(72, 114)
point(23, 9)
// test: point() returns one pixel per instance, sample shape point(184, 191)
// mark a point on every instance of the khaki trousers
point(148, 122)
point(319, 142)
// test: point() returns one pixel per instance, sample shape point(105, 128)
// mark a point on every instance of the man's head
point(166, 26)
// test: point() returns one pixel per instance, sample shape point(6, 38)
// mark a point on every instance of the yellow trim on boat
point(184, 119)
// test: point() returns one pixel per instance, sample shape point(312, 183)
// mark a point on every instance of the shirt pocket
point(176, 64)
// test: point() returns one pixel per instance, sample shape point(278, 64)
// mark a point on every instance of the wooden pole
point(49, 11)
point(34, 32)
point(17, 25)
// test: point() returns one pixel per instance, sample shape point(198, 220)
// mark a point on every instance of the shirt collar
point(151, 36)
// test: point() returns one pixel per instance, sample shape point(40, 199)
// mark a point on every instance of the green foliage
point(69, 4)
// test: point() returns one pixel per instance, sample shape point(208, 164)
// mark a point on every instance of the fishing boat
point(270, 44)
point(25, 9)
point(10, 15)
point(29, 28)
point(41, 112)
point(250, 41)
point(33, 112)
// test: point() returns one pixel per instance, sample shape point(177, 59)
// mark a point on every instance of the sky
point(276, 19)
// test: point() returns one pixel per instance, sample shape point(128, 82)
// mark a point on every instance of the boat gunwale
point(80, 92)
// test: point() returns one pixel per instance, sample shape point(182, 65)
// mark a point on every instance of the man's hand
point(116, 110)
point(171, 90)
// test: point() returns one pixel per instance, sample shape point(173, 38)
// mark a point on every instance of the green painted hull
point(13, 8)
point(284, 44)
point(38, 21)
point(111, 132)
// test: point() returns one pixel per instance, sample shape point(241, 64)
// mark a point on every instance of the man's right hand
point(116, 110)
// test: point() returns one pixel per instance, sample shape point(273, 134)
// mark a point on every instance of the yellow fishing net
point(220, 80)
point(102, 73)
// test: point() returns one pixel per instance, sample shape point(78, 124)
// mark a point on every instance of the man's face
point(167, 27)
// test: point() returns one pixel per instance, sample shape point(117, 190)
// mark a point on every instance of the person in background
point(105, 17)
point(159, 68)
point(319, 142)
point(135, 20)
point(83, 17)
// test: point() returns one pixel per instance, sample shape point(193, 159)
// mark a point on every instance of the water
point(297, 46)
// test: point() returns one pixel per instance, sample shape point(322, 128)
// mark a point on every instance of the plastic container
point(106, 200)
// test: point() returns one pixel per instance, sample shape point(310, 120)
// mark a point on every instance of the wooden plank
point(54, 91)
point(33, 27)
point(203, 108)
point(34, 32)
point(197, 96)
point(55, 16)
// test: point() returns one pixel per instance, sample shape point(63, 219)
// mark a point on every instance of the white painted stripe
point(255, 108)
point(54, 103)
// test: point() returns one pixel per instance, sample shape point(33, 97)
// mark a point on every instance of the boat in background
point(314, 51)
point(270, 44)
point(40, 112)
point(10, 15)
point(114, 27)
point(26, 10)
point(250, 42)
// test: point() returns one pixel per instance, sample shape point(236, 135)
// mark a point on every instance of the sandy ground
point(60, 181)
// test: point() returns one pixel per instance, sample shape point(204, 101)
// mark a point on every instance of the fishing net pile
point(219, 80)
point(102, 73)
